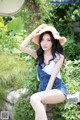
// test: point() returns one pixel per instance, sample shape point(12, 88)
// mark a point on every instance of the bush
point(65, 111)
point(72, 49)
point(71, 75)
point(13, 72)
point(23, 109)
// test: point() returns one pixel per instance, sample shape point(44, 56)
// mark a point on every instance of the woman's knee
point(33, 99)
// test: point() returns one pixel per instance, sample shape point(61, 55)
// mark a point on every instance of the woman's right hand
point(39, 28)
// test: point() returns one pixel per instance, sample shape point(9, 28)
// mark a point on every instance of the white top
point(49, 69)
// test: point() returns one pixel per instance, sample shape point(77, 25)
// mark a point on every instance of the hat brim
point(62, 40)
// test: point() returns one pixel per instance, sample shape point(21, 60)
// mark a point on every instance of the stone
point(73, 98)
point(12, 97)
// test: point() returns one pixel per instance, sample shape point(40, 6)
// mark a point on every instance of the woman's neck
point(47, 53)
point(47, 57)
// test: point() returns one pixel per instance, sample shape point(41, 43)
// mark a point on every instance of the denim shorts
point(58, 84)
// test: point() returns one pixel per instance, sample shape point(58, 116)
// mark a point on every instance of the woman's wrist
point(48, 88)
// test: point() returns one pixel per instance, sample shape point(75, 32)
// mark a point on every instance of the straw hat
point(54, 32)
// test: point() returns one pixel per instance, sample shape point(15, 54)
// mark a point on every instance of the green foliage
point(12, 74)
point(23, 109)
point(63, 17)
point(71, 75)
point(30, 15)
point(17, 72)
point(15, 25)
point(65, 111)
point(71, 112)
point(1, 20)
point(11, 34)
point(2, 93)
point(30, 81)
point(72, 49)
point(70, 12)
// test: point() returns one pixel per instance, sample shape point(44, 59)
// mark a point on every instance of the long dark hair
point(56, 48)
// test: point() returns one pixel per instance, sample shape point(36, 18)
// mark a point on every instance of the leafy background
point(17, 69)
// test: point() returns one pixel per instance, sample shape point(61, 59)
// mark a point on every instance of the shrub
point(72, 49)
point(13, 72)
point(23, 110)
point(71, 75)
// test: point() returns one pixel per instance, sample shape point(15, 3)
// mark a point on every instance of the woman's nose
point(45, 43)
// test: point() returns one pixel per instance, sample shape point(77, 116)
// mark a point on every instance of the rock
point(73, 98)
point(12, 97)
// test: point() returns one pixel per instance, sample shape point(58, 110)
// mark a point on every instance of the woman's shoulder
point(58, 57)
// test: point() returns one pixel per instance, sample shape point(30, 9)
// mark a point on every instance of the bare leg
point(40, 111)
point(45, 97)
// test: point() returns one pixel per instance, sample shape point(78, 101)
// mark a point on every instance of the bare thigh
point(50, 96)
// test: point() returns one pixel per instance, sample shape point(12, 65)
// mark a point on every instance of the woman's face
point(46, 43)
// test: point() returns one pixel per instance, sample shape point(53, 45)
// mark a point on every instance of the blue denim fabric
point(44, 78)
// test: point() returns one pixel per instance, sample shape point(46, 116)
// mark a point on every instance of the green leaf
point(1, 20)
point(1, 25)
point(15, 25)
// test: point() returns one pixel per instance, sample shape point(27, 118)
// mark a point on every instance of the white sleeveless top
point(49, 69)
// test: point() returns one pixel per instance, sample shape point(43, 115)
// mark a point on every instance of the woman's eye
point(49, 40)
point(42, 40)
point(46, 40)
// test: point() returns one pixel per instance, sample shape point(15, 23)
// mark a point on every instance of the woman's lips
point(44, 46)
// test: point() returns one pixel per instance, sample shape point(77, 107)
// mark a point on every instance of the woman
point(49, 59)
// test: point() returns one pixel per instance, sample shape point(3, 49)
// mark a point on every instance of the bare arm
point(57, 68)
point(25, 43)
point(27, 50)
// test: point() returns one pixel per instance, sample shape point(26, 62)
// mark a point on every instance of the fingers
point(39, 28)
point(43, 25)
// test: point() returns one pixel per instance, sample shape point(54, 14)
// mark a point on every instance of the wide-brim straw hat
point(55, 33)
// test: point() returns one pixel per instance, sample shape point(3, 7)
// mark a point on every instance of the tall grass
point(13, 72)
